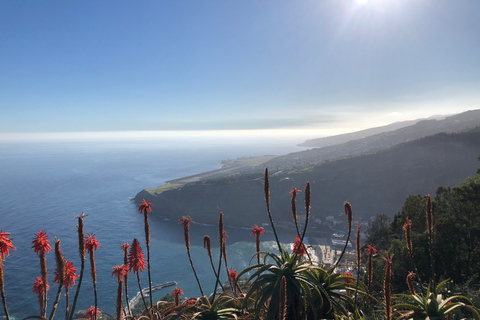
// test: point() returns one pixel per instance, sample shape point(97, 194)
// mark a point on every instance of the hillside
point(374, 183)
point(377, 142)
point(337, 149)
point(342, 138)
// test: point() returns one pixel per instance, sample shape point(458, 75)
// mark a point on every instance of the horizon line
point(166, 134)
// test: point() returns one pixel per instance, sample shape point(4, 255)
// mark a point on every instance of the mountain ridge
point(377, 142)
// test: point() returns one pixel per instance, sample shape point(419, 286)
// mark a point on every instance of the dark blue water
point(45, 185)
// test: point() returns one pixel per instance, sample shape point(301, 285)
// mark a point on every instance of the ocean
point(44, 185)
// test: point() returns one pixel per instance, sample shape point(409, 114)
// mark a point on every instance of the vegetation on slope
point(456, 239)
point(361, 180)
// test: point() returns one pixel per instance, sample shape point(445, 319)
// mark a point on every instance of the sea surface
point(44, 185)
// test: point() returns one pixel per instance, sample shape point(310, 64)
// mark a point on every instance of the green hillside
point(375, 184)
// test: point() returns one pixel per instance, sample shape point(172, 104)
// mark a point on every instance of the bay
point(44, 185)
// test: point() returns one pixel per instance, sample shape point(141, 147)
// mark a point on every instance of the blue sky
point(324, 66)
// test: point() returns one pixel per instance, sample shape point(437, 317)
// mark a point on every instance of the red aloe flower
point(177, 292)
point(91, 243)
point(5, 245)
point(145, 209)
point(39, 289)
point(294, 192)
point(348, 280)
point(371, 251)
point(90, 314)
point(119, 271)
point(297, 248)
point(70, 275)
point(257, 232)
point(145, 206)
point(38, 286)
point(232, 274)
point(41, 244)
point(136, 258)
point(136, 262)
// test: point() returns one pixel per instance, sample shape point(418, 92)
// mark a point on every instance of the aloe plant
point(311, 291)
point(332, 299)
point(432, 306)
point(221, 308)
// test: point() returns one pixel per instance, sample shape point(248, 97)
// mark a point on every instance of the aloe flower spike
point(185, 221)
point(81, 252)
point(349, 214)
point(5, 246)
point(59, 276)
point(145, 208)
point(91, 244)
point(267, 201)
point(136, 263)
point(41, 246)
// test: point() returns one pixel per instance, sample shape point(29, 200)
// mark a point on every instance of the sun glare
point(361, 3)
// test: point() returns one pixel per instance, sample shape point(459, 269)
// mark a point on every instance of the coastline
point(229, 167)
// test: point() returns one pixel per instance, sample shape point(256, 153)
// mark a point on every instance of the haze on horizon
point(311, 68)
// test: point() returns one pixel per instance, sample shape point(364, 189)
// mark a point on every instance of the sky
point(312, 66)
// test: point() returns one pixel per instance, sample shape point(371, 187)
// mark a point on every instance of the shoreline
point(229, 168)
